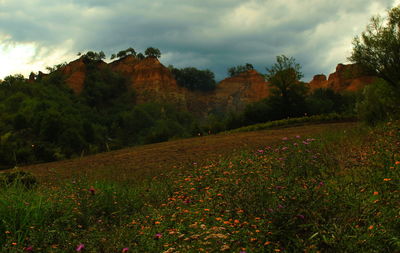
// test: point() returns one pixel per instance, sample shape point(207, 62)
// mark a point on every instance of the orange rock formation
point(153, 82)
point(346, 78)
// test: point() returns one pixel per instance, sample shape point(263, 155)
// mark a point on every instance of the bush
point(234, 71)
point(23, 178)
point(195, 79)
point(379, 102)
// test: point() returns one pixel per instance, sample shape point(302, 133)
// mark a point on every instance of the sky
point(206, 34)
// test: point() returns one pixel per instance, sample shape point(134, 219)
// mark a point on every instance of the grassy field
point(320, 188)
point(149, 160)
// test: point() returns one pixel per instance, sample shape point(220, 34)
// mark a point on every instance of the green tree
point(378, 47)
point(379, 102)
point(325, 100)
point(12, 79)
point(194, 79)
point(153, 52)
point(94, 56)
point(124, 53)
point(288, 93)
point(140, 56)
point(233, 71)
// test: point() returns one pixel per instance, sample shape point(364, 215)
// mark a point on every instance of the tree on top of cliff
point(153, 52)
point(140, 56)
point(93, 56)
point(378, 47)
point(233, 71)
point(124, 53)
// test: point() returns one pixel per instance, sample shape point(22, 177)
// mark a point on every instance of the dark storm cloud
point(205, 34)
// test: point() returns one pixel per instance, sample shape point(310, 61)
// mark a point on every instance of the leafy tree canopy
point(124, 53)
point(378, 47)
point(284, 75)
point(153, 52)
point(288, 93)
point(194, 79)
point(140, 56)
point(94, 56)
point(233, 71)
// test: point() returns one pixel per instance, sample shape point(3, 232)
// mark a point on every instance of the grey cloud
point(214, 34)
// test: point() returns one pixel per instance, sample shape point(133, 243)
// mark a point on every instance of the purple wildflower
point(158, 236)
point(125, 250)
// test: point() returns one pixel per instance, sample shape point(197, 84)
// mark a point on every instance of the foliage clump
point(22, 178)
point(377, 50)
point(234, 71)
point(194, 79)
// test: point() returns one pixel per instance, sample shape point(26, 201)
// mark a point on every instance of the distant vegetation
point(194, 79)
point(152, 52)
point(234, 71)
point(290, 98)
point(44, 121)
point(124, 53)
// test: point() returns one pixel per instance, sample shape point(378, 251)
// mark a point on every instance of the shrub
point(195, 79)
point(26, 179)
point(379, 102)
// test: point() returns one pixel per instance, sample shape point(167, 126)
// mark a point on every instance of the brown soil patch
point(131, 163)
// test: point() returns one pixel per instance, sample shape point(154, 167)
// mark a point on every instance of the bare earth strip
point(151, 159)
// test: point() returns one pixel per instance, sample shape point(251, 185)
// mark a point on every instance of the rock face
point(346, 78)
point(234, 93)
point(153, 82)
point(75, 73)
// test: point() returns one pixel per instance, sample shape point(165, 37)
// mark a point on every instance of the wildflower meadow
point(333, 192)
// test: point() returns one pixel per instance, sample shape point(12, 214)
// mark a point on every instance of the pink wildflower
point(28, 249)
point(80, 247)
point(125, 250)
point(92, 190)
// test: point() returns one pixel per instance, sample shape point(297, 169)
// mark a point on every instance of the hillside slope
point(133, 162)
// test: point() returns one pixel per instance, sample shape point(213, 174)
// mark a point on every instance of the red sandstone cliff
point(153, 82)
point(346, 78)
point(238, 91)
point(75, 73)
